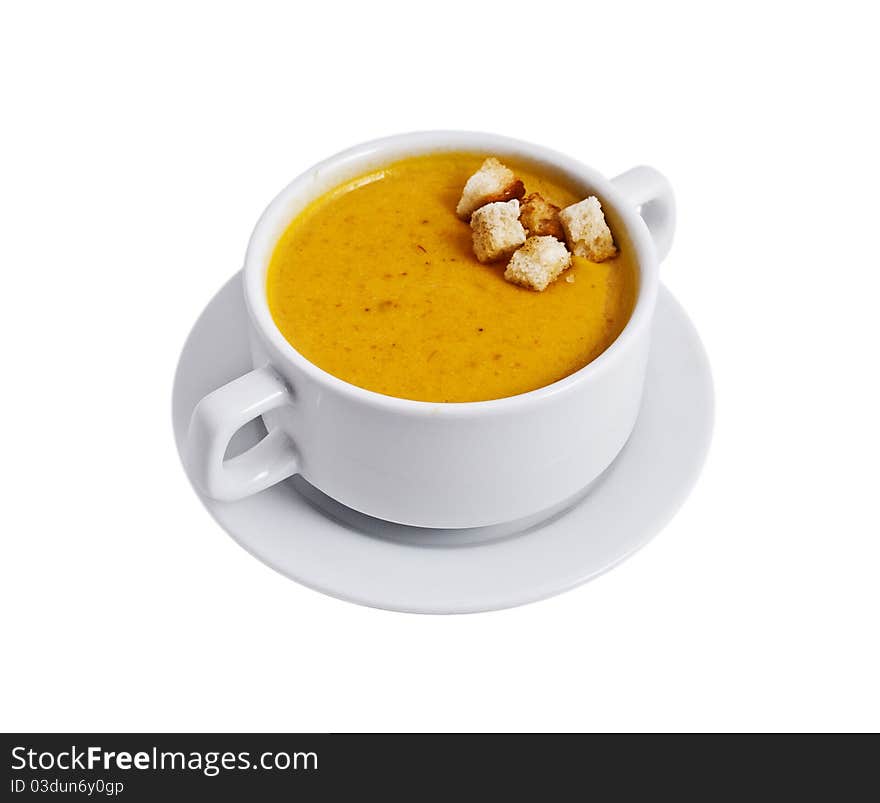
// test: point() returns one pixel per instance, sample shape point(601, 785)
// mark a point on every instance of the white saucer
point(303, 534)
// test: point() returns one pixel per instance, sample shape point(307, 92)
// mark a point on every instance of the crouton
point(496, 230)
point(540, 218)
point(491, 183)
point(538, 262)
point(587, 232)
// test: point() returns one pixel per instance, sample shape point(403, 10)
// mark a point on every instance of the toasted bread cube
point(491, 183)
point(540, 218)
point(538, 262)
point(496, 230)
point(587, 232)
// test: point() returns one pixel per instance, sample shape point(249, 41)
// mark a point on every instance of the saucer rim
point(489, 601)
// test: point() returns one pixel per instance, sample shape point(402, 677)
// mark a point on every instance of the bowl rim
point(371, 155)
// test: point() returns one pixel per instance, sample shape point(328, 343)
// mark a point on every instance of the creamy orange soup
point(376, 282)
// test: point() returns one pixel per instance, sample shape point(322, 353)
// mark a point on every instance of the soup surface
point(376, 282)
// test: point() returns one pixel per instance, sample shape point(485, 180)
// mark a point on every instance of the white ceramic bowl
point(422, 463)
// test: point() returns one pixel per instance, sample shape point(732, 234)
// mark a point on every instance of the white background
point(138, 149)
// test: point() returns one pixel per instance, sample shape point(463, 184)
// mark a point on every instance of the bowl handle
point(218, 416)
point(650, 191)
